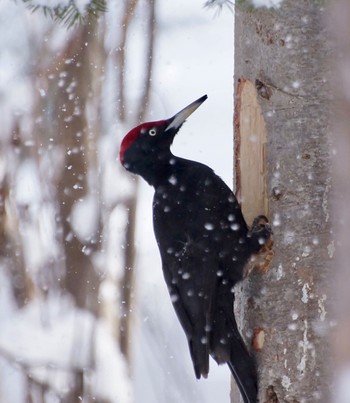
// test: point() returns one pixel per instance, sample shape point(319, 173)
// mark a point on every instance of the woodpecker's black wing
point(188, 279)
point(202, 238)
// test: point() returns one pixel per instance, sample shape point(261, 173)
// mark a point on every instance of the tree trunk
point(281, 127)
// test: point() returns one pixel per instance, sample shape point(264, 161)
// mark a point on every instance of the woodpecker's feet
point(262, 239)
point(260, 231)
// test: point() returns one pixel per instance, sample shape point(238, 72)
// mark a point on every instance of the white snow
point(267, 3)
point(322, 308)
point(28, 189)
point(305, 293)
point(51, 3)
point(84, 217)
point(7, 301)
point(286, 382)
point(57, 337)
point(82, 5)
point(304, 346)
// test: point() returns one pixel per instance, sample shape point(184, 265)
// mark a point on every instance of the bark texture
point(283, 53)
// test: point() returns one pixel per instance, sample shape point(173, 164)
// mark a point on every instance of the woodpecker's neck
point(157, 170)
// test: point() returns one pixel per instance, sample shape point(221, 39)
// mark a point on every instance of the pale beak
point(176, 121)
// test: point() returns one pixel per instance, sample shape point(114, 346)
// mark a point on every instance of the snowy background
point(46, 337)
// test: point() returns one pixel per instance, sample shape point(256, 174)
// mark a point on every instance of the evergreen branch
point(68, 11)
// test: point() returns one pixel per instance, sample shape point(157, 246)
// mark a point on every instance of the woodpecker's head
point(148, 144)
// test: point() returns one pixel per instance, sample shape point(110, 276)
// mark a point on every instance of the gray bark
point(284, 53)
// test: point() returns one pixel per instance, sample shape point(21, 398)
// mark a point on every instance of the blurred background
point(84, 312)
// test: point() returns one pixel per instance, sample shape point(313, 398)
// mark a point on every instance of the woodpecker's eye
point(152, 132)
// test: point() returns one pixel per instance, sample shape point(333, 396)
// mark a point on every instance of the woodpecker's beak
point(176, 121)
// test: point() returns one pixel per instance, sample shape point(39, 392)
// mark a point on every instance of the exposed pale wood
point(250, 165)
point(250, 140)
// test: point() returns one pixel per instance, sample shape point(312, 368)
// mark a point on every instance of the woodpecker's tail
point(243, 369)
point(227, 345)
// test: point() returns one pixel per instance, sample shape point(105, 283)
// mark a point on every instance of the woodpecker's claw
point(262, 235)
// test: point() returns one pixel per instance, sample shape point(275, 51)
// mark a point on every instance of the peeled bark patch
point(250, 164)
point(258, 339)
point(250, 152)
